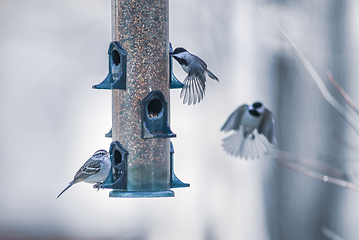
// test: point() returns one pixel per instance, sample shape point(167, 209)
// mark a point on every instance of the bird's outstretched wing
point(194, 86)
point(267, 127)
point(234, 120)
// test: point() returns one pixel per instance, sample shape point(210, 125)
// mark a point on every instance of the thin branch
point(330, 234)
point(307, 162)
point(343, 93)
point(313, 169)
point(313, 73)
point(318, 176)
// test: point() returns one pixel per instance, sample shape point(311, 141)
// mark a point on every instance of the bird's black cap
point(179, 50)
point(257, 105)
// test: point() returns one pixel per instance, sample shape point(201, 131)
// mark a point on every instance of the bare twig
point(330, 234)
point(319, 176)
point(343, 93)
point(307, 162)
point(313, 73)
point(312, 169)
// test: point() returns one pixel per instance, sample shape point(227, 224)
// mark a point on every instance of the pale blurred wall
point(298, 207)
point(348, 209)
point(51, 52)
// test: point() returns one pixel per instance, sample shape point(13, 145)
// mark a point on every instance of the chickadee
point(249, 122)
point(94, 170)
point(194, 84)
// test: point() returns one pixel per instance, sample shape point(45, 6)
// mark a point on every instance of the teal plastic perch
point(174, 82)
point(116, 77)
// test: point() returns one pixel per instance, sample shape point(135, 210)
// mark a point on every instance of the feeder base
point(135, 194)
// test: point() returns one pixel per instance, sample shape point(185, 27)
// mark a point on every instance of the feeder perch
point(118, 174)
point(175, 182)
point(154, 116)
point(109, 134)
point(116, 78)
point(174, 82)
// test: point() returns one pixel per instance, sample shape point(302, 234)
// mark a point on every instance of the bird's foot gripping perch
point(98, 185)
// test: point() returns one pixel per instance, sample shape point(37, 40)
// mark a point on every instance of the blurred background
point(52, 121)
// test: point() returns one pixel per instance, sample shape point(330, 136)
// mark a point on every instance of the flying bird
point(251, 125)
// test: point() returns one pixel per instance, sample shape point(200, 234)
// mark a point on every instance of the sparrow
point(194, 84)
point(250, 124)
point(94, 170)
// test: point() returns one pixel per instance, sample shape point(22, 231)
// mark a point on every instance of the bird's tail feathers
point(251, 146)
point(232, 143)
point(71, 183)
point(211, 75)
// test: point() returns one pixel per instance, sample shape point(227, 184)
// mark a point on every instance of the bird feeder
point(140, 77)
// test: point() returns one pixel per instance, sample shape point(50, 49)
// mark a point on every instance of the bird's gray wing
point(203, 64)
point(234, 120)
point(89, 168)
point(267, 127)
point(194, 85)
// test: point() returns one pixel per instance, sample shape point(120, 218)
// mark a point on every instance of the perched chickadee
point(194, 84)
point(249, 122)
point(94, 170)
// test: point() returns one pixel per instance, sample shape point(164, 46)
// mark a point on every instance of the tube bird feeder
point(140, 79)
